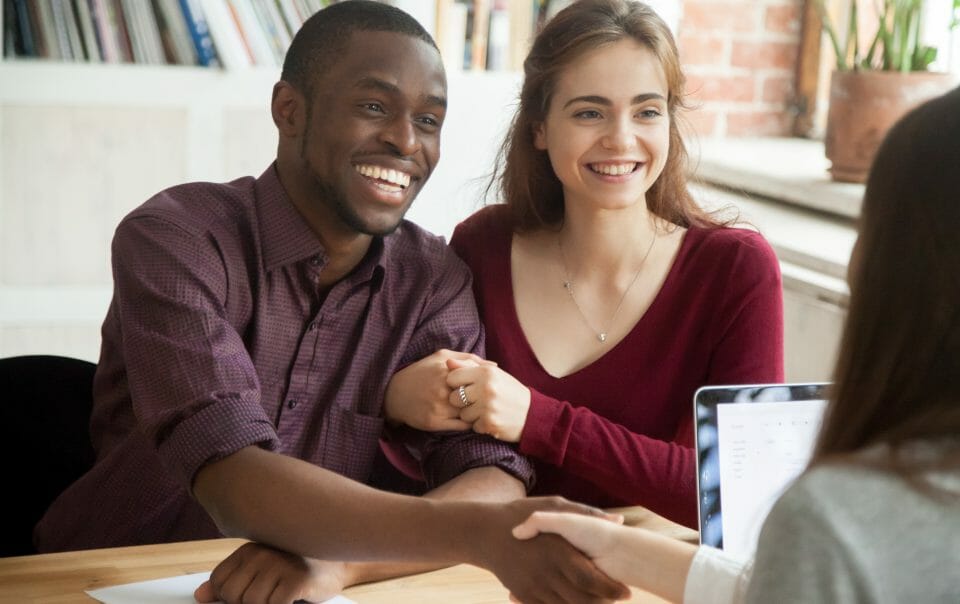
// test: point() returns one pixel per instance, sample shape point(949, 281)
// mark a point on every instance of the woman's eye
point(588, 114)
point(650, 114)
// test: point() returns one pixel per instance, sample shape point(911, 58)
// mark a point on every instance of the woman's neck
point(608, 242)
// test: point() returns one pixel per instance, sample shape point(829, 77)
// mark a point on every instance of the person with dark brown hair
point(875, 516)
point(608, 295)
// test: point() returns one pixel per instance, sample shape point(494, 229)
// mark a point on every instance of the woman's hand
point(418, 394)
point(496, 403)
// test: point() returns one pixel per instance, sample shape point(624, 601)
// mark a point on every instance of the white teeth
point(614, 169)
point(401, 179)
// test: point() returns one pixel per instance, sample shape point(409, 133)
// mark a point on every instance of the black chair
point(45, 417)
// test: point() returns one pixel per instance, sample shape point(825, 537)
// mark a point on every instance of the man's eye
point(376, 107)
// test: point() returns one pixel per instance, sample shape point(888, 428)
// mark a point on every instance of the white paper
point(171, 590)
point(762, 448)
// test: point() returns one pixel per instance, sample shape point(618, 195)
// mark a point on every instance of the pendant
point(602, 337)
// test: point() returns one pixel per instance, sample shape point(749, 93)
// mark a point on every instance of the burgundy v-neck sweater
point(620, 430)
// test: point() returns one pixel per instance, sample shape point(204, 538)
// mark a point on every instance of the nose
point(400, 135)
point(619, 135)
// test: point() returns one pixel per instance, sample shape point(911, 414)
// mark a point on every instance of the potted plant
point(875, 84)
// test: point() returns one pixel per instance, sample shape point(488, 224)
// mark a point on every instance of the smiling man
point(255, 326)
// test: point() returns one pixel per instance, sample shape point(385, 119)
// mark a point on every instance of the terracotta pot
point(864, 105)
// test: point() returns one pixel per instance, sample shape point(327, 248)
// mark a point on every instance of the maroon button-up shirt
point(217, 338)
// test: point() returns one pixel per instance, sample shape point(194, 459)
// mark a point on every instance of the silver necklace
point(568, 285)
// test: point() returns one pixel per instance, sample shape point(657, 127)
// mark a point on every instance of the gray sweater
point(845, 533)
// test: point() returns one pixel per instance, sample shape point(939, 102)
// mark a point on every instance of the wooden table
point(64, 577)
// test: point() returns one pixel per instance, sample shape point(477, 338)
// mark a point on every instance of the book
point(73, 30)
point(290, 15)
point(200, 33)
point(105, 30)
point(174, 32)
point(452, 33)
point(479, 33)
point(87, 31)
point(150, 28)
point(274, 27)
point(25, 28)
point(134, 36)
point(253, 32)
point(498, 40)
point(48, 30)
point(144, 32)
point(226, 36)
point(523, 19)
point(118, 20)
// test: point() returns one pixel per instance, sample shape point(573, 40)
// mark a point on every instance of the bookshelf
point(82, 144)
point(238, 34)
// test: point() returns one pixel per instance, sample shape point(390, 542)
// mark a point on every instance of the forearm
point(297, 507)
point(661, 566)
point(479, 484)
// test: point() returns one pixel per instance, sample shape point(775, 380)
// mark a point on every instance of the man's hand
point(257, 573)
point(545, 569)
point(418, 394)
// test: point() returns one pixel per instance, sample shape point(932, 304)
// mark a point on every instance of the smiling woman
point(607, 294)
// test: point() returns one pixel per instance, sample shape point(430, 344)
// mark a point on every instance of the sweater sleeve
point(658, 474)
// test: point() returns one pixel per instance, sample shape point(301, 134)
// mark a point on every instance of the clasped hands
point(426, 395)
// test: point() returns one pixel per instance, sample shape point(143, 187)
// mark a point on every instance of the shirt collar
point(287, 238)
point(284, 234)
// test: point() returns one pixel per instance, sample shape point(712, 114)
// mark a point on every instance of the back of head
point(527, 180)
point(898, 372)
point(324, 36)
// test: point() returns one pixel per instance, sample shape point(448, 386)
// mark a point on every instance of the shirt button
point(312, 326)
point(316, 261)
point(291, 404)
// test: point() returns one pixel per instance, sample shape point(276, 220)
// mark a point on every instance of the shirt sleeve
point(715, 577)
point(451, 321)
point(195, 391)
point(802, 557)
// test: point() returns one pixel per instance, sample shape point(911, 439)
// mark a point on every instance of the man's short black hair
point(324, 36)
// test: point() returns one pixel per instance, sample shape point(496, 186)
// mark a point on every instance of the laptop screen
point(752, 441)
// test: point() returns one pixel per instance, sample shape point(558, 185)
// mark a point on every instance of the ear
point(540, 136)
point(288, 109)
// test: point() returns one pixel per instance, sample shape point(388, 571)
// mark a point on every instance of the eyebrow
point(600, 100)
point(375, 83)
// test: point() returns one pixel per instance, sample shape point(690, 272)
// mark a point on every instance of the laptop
point(751, 441)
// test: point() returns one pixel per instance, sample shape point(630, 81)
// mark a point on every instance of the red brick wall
point(740, 60)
